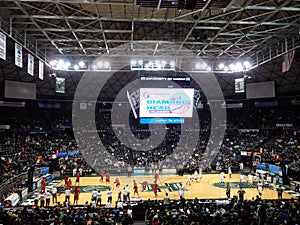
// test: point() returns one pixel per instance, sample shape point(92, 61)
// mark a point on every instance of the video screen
point(166, 102)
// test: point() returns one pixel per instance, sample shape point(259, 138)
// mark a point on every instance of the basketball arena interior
point(155, 112)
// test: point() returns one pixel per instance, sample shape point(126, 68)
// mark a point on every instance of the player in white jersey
point(67, 195)
point(109, 196)
point(188, 181)
point(48, 197)
point(181, 191)
point(94, 195)
point(99, 197)
point(250, 179)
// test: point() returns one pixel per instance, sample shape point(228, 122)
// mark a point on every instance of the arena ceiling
point(261, 31)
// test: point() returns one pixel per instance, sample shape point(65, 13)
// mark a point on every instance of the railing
point(6, 185)
point(19, 38)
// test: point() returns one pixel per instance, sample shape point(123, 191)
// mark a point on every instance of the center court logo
point(94, 146)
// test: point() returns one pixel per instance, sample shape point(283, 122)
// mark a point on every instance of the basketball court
point(209, 187)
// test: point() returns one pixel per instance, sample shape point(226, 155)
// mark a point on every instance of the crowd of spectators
point(251, 212)
point(66, 215)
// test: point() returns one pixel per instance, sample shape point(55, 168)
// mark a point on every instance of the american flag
point(287, 60)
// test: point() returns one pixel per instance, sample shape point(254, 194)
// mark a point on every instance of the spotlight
point(239, 66)
point(67, 64)
point(100, 64)
point(226, 68)
point(53, 62)
point(221, 66)
point(231, 66)
point(94, 67)
point(198, 66)
point(140, 62)
point(247, 64)
point(133, 62)
point(172, 63)
point(76, 67)
point(106, 64)
point(81, 64)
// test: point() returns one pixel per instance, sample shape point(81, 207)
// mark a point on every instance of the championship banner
point(2, 46)
point(30, 64)
point(60, 85)
point(18, 55)
point(41, 70)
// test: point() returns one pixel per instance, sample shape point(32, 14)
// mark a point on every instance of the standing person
point(222, 177)
point(94, 195)
point(119, 194)
point(200, 174)
point(124, 195)
point(250, 179)
point(66, 178)
point(228, 190)
point(260, 188)
point(279, 191)
point(128, 192)
point(67, 195)
point(99, 198)
point(42, 199)
point(181, 191)
point(241, 167)
point(107, 178)
point(241, 193)
point(156, 176)
point(77, 179)
point(54, 194)
point(36, 197)
point(117, 182)
point(242, 179)
point(229, 171)
point(48, 197)
point(76, 193)
point(155, 189)
point(129, 171)
point(166, 200)
point(43, 184)
point(195, 176)
point(101, 175)
point(69, 184)
point(188, 181)
point(135, 188)
point(109, 196)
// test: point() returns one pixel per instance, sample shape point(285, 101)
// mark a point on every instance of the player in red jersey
point(77, 179)
point(117, 182)
point(69, 184)
point(107, 178)
point(155, 189)
point(43, 185)
point(66, 178)
point(76, 193)
point(135, 188)
point(101, 175)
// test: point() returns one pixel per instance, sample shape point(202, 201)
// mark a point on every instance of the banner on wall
point(60, 85)
point(239, 85)
point(41, 70)
point(30, 64)
point(2, 46)
point(18, 55)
